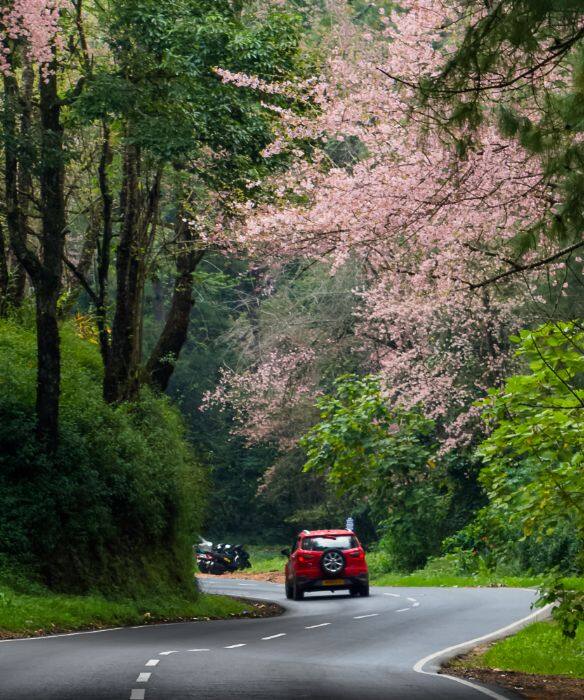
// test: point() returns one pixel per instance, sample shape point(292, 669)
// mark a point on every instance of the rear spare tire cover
point(332, 562)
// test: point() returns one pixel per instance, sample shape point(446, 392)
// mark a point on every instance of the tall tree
point(31, 37)
point(180, 138)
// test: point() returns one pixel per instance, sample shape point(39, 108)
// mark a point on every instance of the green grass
point(422, 578)
point(442, 572)
point(45, 612)
point(540, 648)
point(265, 559)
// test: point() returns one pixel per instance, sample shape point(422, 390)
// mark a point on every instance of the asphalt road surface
point(385, 647)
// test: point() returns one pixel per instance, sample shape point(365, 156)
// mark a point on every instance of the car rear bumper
point(307, 584)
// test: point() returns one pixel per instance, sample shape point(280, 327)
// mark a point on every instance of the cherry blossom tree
point(432, 214)
point(33, 24)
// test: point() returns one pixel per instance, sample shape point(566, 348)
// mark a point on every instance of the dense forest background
point(267, 265)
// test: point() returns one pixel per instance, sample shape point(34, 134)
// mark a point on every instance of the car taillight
point(305, 557)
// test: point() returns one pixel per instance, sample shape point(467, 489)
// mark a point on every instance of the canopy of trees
point(344, 237)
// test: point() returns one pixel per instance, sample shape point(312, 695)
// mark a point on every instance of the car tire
point(288, 588)
point(364, 591)
point(297, 592)
point(332, 562)
point(354, 591)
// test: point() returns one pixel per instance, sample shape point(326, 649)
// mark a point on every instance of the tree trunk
point(14, 218)
point(25, 182)
point(18, 256)
point(45, 268)
point(48, 284)
point(121, 381)
point(118, 369)
point(104, 246)
point(4, 279)
point(163, 359)
point(49, 365)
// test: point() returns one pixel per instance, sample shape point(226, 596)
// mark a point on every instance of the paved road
point(327, 646)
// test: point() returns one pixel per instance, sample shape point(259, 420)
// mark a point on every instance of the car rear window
point(317, 544)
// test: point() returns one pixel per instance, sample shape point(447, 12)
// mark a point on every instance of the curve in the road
point(327, 646)
point(435, 660)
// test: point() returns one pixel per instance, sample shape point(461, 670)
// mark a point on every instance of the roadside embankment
point(537, 662)
point(45, 613)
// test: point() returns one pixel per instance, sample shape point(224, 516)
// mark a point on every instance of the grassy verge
point(24, 614)
point(423, 578)
point(442, 572)
point(540, 648)
point(266, 559)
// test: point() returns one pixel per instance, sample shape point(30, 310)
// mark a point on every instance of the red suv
point(326, 560)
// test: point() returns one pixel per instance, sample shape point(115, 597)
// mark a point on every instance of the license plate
point(334, 582)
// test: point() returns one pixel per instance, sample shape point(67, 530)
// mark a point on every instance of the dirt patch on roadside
point(527, 685)
point(270, 576)
point(261, 608)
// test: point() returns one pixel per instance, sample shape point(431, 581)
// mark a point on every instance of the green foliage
point(117, 507)
point(232, 510)
point(361, 443)
point(445, 571)
point(568, 606)
point(158, 80)
point(491, 543)
point(534, 454)
point(386, 457)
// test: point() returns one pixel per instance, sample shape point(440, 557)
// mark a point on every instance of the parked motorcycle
point(237, 554)
point(212, 563)
point(221, 558)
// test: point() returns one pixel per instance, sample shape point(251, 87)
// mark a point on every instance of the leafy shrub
point(388, 458)
point(116, 508)
point(568, 606)
point(489, 543)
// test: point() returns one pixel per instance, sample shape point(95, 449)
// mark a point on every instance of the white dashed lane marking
point(139, 693)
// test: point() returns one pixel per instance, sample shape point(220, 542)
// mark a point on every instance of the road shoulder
point(527, 685)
